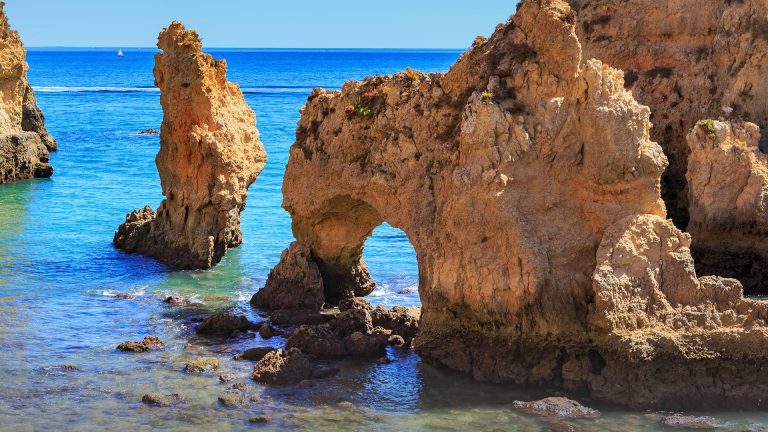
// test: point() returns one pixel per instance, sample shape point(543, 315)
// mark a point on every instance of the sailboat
point(120, 52)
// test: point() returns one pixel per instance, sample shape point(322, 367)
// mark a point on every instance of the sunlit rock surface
point(24, 141)
point(210, 154)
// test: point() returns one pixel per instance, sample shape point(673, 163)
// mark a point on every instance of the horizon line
point(246, 48)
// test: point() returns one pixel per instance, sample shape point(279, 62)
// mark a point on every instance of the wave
point(246, 90)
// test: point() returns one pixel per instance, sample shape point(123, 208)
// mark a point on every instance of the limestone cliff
point(685, 59)
point(209, 155)
point(519, 176)
point(728, 201)
point(24, 141)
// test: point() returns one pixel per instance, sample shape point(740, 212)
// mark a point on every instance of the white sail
point(120, 52)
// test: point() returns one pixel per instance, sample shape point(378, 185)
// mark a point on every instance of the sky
point(258, 23)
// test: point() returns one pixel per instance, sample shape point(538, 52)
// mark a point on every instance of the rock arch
point(516, 175)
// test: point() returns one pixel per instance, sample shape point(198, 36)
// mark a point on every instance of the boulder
point(295, 283)
point(202, 365)
point(692, 422)
point(232, 400)
point(148, 344)
point(365, 345)
point(321, 340)
point(354, 303)
point(402, 321)
point(283, 367)
point(253, 354)
point(209, 155)
point(223, 324)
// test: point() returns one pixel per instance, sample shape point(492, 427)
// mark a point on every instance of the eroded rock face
point(210, 154)
point(506, 174)
point(728, 201)
point(24, 140)
point(657, 324)
point(685, 60)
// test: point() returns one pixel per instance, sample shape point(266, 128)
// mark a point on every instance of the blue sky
point(260, 24)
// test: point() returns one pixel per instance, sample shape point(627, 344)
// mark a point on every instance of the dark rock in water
point(227, 377)
point(157, 399)
point(149, 132)
point(260, 419)
point(408, 291)
point(396, 340)
point(283, 367)
point(239, 386)
point(321, 372)
point(202, 365)
point(354, 320)
point(692, 422)
point(223, 324)
point(180, 301)
point(266, 332)
point(232, 400)
point(65, 368)
point(148, 344)
point(321, 340)
point(403, 321)
point(295, 283)
point(124, 296)
point(557, 407)
point(365, 345)
point(253, 354)
point(299, 317)
point(354, 303)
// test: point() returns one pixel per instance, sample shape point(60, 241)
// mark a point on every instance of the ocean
point(60, 276)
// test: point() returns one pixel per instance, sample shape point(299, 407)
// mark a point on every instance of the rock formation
point(210, 154)
point(728, 202)
point(526, 180)
point(685, 60)
point(24, 142)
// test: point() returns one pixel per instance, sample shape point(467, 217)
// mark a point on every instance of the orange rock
point(24, 141)
point(210, 154)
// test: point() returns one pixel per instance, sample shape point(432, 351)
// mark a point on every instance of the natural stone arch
point(527, 182)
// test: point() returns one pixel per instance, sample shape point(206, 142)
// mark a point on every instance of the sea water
point(59, 273)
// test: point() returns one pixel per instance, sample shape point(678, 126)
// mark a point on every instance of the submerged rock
point(260, 419)
point(157, 399)
point(557, 407)
point(202, 365)
point(24, 141)
point(149, 132)
point(210, 154)
point(283, 367)
point(232, 400)
point(148, 344)
point(692, 422)
point(223, 324)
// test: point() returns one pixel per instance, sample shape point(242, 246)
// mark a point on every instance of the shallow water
point(59, 272)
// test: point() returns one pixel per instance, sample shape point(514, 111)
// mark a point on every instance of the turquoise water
point(59, 273)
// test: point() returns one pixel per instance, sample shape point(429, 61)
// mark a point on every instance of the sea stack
point(209, 155)
point(529, 186)
point(24, 142)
